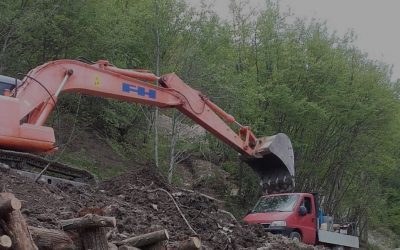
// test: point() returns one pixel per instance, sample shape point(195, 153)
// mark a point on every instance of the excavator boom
point(25, 107)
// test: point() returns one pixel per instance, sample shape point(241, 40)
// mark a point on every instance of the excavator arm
point(25, 109)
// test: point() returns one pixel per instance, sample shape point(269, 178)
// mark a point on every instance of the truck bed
point(338, 239)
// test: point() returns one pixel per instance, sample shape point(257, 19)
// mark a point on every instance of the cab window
point(307, 204)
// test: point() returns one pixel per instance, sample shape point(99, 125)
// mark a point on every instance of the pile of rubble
point(135, 207)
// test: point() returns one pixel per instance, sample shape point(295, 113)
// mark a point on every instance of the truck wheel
point(295, 236)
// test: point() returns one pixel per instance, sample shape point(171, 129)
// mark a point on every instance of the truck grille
point(265, 226)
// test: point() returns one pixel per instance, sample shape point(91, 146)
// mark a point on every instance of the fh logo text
point(128, 88)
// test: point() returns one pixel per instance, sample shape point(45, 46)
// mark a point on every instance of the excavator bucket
point(273, 162)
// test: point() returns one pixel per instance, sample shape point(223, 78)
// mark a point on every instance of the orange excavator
point(25, 106)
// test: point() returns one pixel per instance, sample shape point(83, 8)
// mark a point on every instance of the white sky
point(375, 22)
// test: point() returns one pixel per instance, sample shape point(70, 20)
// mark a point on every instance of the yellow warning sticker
point(97, 81)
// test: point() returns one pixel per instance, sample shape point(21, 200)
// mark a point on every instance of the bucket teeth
point(278, 185)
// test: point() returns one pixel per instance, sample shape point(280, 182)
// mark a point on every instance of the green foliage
point(81, 161)
point(86, 162)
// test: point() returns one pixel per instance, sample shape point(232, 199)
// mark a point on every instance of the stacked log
point(13, 223)
point(49, 239)
point(192, 243)
point(5, 242)
point(91, 228)
point(125, 247)
point(86, 232)
point(145, 239)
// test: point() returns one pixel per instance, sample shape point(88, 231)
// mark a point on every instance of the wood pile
point(91, 230)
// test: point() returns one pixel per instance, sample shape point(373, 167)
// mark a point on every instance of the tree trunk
point(76, 239)
point(256, 53)
point(91, 230)
point(156, 137)
point(172, 147)
point(16, 225)
point(49, 239)
point(145, 239)
point(94, 238)
point(157, 33)
point(241, 166)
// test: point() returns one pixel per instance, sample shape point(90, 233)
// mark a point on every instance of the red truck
point(296, 216)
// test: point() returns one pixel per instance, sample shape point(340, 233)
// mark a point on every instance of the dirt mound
point(141, 200)
point(145, 191)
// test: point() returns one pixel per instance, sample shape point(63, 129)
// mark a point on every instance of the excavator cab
point(273, 162)
point(7, 84)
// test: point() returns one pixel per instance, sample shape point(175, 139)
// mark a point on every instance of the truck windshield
point(281, 203)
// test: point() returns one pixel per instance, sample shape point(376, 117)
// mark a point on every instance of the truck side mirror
point(302, 210)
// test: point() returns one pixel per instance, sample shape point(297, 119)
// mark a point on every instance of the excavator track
point(27, 162)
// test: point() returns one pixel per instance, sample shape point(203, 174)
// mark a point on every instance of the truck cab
point(290, 214)
point(296, 215)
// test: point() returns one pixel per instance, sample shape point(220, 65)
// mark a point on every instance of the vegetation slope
point(339, 107)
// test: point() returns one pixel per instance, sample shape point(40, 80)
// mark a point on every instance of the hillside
point(339, 107)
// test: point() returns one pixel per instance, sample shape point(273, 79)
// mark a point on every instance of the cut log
point(145, 239)
point(157, 246)
point(49, 239)
point(192, 243)
point(125, 247)
point(91, 229)
point(8, 204)
point(5, 242)
point(88, 221)
point(76, 239)
point(16, 225)
point(110, 234)
point(94, 238)
point(112, 246)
